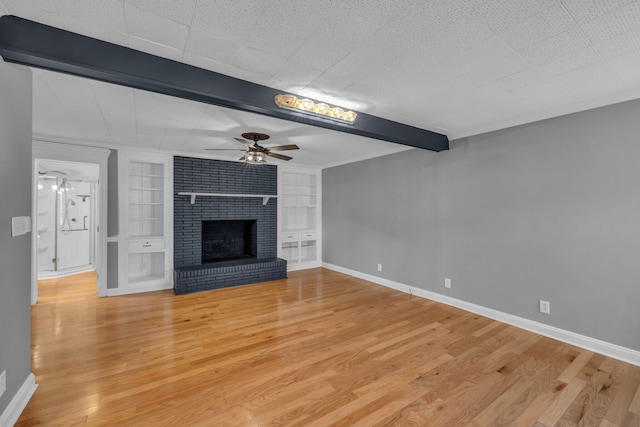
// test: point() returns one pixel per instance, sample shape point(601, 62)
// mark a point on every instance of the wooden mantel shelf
point(265, 197)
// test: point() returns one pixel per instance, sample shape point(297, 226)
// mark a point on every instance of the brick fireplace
point(245, 262)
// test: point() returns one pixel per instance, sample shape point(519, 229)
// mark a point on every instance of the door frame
point(51, 150)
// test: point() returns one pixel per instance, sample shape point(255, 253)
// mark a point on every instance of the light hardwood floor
point(318, 349)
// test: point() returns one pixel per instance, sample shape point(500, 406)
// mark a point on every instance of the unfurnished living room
point(306, 213)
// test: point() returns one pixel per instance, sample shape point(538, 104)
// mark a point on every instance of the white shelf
point(146, 204)
point(138, 175)
point(141, 279)
point(265, 197)
point(289, 193)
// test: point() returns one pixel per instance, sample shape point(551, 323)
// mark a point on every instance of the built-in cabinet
point(145, 199)
point(299, 199)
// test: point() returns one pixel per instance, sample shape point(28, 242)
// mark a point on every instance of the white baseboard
point(66, 272)
point(612, 350)
point(11, 414)
point(136, 290)
point(303, 266)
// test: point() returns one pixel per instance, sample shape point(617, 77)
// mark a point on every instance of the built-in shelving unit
point(145, 258)
point(146, 199)
point(299, 217)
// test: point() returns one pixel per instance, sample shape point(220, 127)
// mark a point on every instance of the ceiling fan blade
point(278, 156)
point(244, 157)
point(224, 149)
point(283, 147)
point(245, 142)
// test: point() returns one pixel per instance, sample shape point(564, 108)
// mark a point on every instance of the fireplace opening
point(228, 240)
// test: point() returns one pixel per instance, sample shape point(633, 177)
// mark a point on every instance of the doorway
point(69, 212)
point(65, 224)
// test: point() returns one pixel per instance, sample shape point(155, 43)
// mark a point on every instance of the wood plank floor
point(318, 349)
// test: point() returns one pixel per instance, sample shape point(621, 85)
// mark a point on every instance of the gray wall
point(15, 253)
point(112, 220)
point(549, 210)
point(112, 194)
point(384, 210)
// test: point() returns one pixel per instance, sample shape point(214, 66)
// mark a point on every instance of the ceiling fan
point(256, 153)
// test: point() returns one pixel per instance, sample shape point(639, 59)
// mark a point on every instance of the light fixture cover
point(255, 158)
point(308, 106)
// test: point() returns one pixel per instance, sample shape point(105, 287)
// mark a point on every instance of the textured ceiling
point(458, 67)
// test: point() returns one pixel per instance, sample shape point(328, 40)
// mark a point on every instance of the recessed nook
point(228, 240)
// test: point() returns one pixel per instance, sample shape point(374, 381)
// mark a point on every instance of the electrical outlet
point(3, 382)
point(447, 283)
point(545, 307)
point(379, 267)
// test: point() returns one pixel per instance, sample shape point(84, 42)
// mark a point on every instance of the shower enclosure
point(65, 216)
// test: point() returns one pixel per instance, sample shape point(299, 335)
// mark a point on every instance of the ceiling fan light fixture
point(305, 105)
point(255, 158)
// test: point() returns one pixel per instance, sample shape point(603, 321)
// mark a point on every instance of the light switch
point(20, 225)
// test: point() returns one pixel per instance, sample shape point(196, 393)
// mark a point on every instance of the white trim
point(303, 265)
point(34, 231)
point(113, 292)
point(41, 137)
point(83, 154)
point(124, 238)
point(387, 152)
point(66, 272)
point(13, 411)
point(126, 147)
point(549, 114)
point(608, 349)
point(181, 153)
point(108, 144)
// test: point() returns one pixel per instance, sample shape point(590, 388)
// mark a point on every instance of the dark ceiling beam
point(36, 45)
